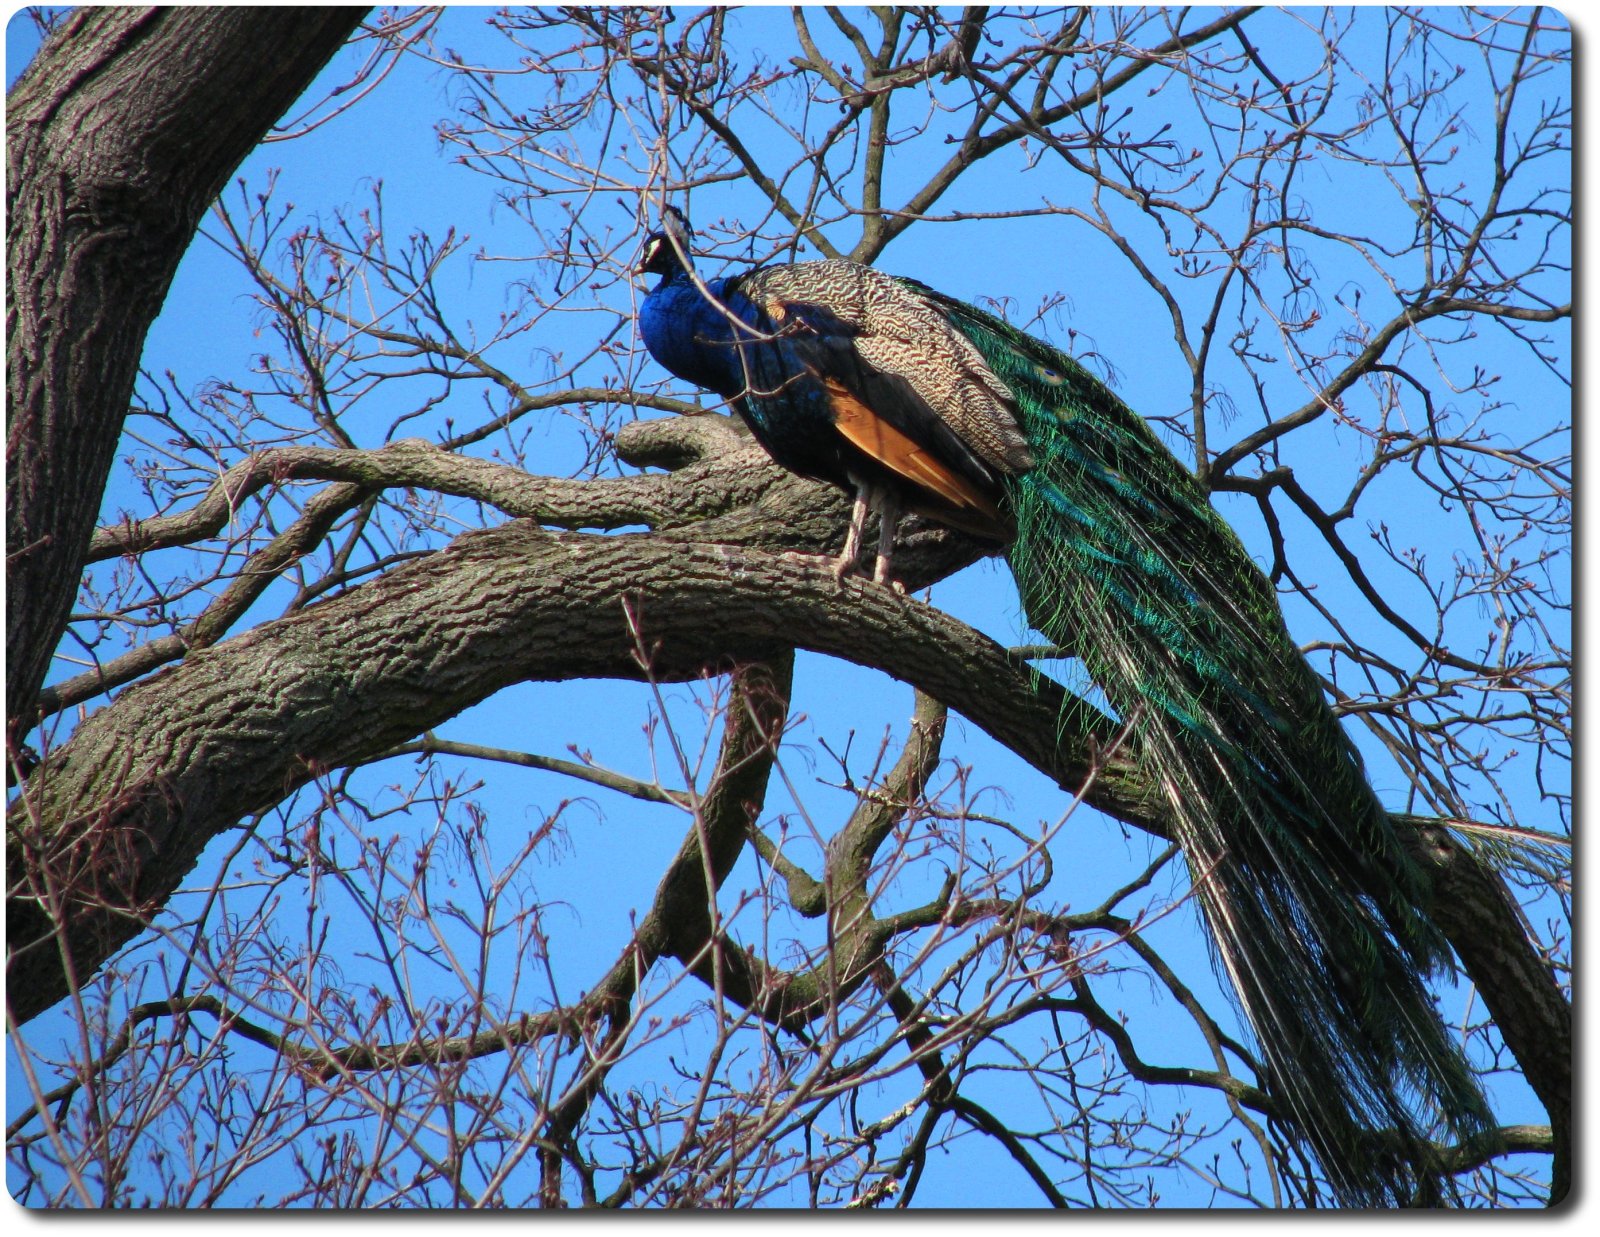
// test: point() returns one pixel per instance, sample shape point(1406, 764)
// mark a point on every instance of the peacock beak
point(649, 257)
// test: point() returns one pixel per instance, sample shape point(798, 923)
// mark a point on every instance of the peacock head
point(662, 248)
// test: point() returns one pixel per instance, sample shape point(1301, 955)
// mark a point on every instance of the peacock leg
point(852, 538)
point(888, 525)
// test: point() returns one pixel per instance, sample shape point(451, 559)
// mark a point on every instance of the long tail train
point(1312, 901)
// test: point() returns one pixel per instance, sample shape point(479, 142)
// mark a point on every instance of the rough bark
point(119, 135)
point(110, 823)
point(1487, 930)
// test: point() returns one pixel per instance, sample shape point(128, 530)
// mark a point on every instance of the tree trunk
point(119, 136)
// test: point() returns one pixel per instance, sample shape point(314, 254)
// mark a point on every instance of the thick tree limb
point(1487, 931)
point(414, 463)
point(110, 823)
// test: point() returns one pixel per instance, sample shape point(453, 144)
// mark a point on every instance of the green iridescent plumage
point(1315, 906)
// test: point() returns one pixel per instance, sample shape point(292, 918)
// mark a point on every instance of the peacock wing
point(902, 385)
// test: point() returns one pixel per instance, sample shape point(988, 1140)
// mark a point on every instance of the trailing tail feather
point(1316, 911)
point(1313, 904)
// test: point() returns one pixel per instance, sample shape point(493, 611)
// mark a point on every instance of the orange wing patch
point(877, 438)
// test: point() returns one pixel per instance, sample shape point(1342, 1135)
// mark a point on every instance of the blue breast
point(689, 337)
point(785, 406)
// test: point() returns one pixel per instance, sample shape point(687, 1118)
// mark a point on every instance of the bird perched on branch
point(913, 401)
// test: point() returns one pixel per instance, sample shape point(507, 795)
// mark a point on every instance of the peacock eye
point(1053, 376)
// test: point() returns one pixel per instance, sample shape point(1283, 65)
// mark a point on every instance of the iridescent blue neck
point(689, 335)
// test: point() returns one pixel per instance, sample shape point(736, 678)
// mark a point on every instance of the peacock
point(915, 402)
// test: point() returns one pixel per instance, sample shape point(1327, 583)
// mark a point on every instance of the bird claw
point(844, 565)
